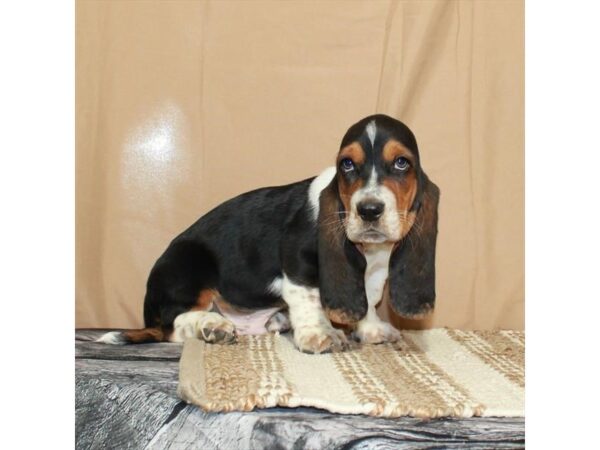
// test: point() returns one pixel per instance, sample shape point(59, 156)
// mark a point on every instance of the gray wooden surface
point(126, 399)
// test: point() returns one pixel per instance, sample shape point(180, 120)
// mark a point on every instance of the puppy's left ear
point(412, 265)
point(341, 265)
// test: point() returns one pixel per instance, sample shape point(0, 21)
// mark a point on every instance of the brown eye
point(347, 165)
point(401, 164)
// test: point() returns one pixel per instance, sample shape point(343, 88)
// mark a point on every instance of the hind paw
point(208, 326)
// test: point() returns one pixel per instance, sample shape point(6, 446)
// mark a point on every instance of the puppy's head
point(379, 194)
point(378, 178)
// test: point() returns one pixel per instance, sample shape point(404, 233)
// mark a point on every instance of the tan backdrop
point(182, 105)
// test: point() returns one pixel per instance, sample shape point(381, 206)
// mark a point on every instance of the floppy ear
point(341, 265)
point(412, 265)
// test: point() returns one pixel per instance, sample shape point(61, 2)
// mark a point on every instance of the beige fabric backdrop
point(182, 105)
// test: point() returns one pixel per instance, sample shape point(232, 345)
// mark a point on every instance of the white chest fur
point(376, 273)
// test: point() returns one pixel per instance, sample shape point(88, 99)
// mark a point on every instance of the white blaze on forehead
point(371, 132)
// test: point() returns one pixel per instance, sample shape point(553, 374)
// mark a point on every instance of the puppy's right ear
point(341, 265)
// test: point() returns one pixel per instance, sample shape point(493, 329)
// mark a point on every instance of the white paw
point(376, 332)
point(208, 326)
point(319, 339)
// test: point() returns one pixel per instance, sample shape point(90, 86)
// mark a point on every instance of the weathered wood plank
point(160, 375)
point(119, 416)
point(86, 348)
point(142, 352)
point(312, 429)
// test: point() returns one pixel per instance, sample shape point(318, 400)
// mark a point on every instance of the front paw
point(319, 339)
point(376, 333)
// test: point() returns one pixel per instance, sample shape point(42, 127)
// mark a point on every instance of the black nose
point(370, 211)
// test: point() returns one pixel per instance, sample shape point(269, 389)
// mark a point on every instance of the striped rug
point(433, 373)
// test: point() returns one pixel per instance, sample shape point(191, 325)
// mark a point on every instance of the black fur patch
point(238, 248)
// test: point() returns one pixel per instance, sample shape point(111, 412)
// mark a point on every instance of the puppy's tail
point(141, 336)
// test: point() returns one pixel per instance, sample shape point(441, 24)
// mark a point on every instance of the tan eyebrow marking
point(353, 151)
point(394, 149)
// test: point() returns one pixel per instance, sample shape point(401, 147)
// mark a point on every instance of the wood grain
point(126, 399)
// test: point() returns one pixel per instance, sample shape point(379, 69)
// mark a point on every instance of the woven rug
point(433, 373)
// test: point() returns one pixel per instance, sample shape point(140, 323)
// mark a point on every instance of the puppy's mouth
point(371, 236)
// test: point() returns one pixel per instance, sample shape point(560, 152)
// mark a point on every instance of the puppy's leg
point(313, 332)
point(209, 326)
point(371, 329)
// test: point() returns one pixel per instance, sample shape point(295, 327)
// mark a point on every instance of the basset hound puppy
point(306, 256)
